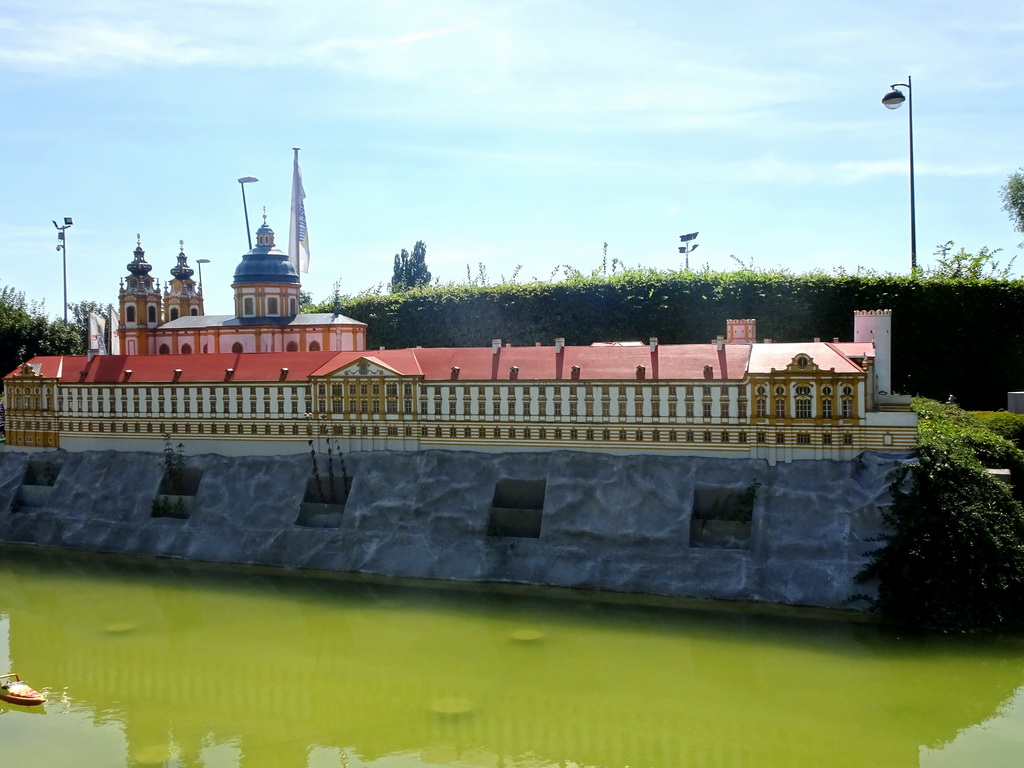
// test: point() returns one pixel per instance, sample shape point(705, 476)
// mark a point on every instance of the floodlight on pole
point(892, 100)
point(242, 182)
point(688, 246)
point(200, 262)
point(62, 246)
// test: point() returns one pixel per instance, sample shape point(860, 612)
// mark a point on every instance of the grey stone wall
point(697, 527)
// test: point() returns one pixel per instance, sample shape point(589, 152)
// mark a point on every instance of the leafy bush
point(953, 557)
point(1004, 424)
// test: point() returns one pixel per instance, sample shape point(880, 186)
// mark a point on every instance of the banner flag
point(97, 330)
point(115, 336)
point(298, 236)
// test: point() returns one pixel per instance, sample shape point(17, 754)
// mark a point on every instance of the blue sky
point(521, 135)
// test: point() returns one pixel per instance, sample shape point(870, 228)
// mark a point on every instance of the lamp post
point(200, 262)
point(892, 100)
point(688, 246)
point(62, 246)
point(242, 182)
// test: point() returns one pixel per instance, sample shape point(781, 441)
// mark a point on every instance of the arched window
point(174, 313)
point(206, 348)
point(164, 349)
point(194, 312)
point(237, 347)
point(272, 305)
point(129, 314)
point(314, 346)
point(291, 347)
point(152, 313)
point(186, 349)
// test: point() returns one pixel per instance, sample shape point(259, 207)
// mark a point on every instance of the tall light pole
point(62, 246)
point(892, 100)
point(688, 246)
point(200, 262)
point(242, 182)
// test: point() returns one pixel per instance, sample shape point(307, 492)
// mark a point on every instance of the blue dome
point(265, 263)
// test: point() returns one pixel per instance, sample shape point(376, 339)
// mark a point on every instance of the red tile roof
point(678, 361)
point(765, 357)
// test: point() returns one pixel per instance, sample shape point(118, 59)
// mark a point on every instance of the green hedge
point(953, 557)
point(1004, 424)
point(949, 336)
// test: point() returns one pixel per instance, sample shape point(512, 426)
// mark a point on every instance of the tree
point(1013, 199)
point(26, 331)
point(80, 312)
point(968, 266)
point(410, 271)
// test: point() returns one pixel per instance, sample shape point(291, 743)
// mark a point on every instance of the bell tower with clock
point(140, 305)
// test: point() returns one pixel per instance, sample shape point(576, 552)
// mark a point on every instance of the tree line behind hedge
point(950, 337)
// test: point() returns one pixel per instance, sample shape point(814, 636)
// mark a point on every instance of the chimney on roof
point(654, 344)
point(740, 331)
point(495, 346)
point(177, 374)
point(720, 343)
point(574, 372)
point(641, 372)
point(228, 373)
point(284, 375)
point(709, 372)
point(513, 372)
point(817, 339)
point(767, 341)
point(835, 339)
point(455, 372)
point(127, 373)
point(559, 345)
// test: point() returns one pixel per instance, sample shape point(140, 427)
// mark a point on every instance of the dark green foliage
point(80, 312)
point(1004, 424)
point(953, 557)
point(943, 329)
point(25, 332)
point(410, 271)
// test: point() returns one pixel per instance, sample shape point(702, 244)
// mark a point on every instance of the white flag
point(298, 237)
point(97, 330)
point(115, 337)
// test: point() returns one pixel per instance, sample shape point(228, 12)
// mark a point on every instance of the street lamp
point(242, 182)
point(200, 262)
point(62, 246)
point(892, 100)
point(688, 246)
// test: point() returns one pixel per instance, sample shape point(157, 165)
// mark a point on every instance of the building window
point(247, 307)
point(780, 409)
point(780, 438)
point(847, 439)
point(762, 437)
point(725, 437)
point(606, 434)
point(314, 346)
point(408, 406)
point(129, 314)
point(803, 438)
point(186, 349)
point(174, 313)
point(847, 408)
point(364, 406)
point(826, 409)
point(272, 306)
point(707, 437)
point(236, 348)
point(152, 314)
point(826, 439)
point(706, 410)
point(689, 410)
point(742, 437)
point(164, 349)
point(673, 410)
point(803, 408)
point(741, 409)
point(291, 346)
point(392, 406)
point(762, 408)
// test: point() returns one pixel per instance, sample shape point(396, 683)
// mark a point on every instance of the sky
point(520, 135)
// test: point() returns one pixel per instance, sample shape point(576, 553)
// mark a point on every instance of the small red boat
point(16, 692)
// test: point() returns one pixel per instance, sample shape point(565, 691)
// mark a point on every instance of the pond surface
point(162, 664)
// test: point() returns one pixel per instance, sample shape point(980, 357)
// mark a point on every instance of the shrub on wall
point(1004, 424)
point(953, 556)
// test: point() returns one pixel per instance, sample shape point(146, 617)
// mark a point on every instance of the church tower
point(182, 299)
point(266, 284)
point(140, 304)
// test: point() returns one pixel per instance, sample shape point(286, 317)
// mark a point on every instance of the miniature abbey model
point(267, 379)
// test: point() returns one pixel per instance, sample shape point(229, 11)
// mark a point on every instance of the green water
point(166, 665)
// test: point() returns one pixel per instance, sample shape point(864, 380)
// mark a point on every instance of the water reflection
point(163, 664)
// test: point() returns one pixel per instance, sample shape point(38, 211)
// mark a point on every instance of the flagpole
point(293, 233)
